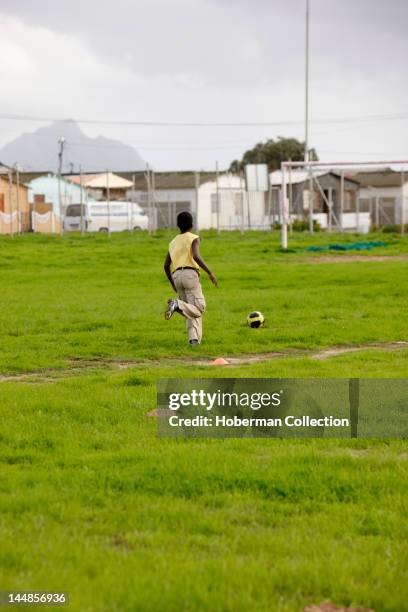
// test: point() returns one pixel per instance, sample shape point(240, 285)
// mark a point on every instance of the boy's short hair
point(184, 221)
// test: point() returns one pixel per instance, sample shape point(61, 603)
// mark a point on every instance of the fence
point(384, 211)
point(343, 194)
point(14, 223)
point(46, 223)
point(330, 194)
point(218, 201)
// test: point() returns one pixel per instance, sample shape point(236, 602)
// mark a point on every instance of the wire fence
point(342, 196)
point(333, 199)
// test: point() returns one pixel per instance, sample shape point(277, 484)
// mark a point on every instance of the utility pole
point(248, 206)
point(149, 200)
point(403, 203)
point(154, 203)
point(341, 200)
point(283, 210)
point(18, 198)
point(307, 85)
point(61, 142)
point(290, 205)
point(307, 156)
point(108, 201)
point(197, 187)
point(149, 206)
point(82, 200)
point(217, 177)
point(243, 190)
point(133, 201)
point(311, 198)
point(10, 190)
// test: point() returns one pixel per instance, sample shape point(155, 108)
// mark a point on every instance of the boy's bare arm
point(197, 257)
point(167, 264)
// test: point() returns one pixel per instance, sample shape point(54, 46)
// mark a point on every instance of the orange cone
point(220, 361)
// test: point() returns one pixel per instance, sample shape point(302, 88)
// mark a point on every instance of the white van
point(104, 217)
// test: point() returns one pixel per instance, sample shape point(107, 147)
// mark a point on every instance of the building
point(174, 192)
point(327, 188)
point(14, 203)
point(44, 194)
point(225, 204)
point(5, 169)
point(384, 195)
point(333, 199)
point(227, 207)
point(97, 186)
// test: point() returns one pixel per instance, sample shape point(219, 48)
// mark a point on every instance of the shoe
point(172, 307)
point(194, 342)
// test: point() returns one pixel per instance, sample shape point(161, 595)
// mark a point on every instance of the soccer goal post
point(309, 181)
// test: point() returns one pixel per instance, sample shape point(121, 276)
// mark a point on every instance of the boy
point(181, 266)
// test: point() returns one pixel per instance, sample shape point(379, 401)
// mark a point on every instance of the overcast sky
point(209, 61)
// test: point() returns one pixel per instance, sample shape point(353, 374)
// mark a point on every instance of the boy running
point(182, 264)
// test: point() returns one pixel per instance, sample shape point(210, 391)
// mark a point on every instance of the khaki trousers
point(191, 302)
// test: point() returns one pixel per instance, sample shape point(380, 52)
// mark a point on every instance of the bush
point(300, 225)
point(394, 229)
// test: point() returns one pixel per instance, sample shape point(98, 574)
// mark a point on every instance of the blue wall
point(48, 186)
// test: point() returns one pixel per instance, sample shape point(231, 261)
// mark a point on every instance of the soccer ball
point(256, 319)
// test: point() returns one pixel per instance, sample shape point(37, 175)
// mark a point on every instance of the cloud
point(229, 43)
point(209, 60)
point(157, 38)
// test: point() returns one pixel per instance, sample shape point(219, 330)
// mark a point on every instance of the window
point(99, 211)
point(74, 210)
point(118, 210)
point(1, 202)
point(214, 202)
point(348, 201)
point(314, 198)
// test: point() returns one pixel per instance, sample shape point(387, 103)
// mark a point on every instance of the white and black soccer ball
point(255, 319)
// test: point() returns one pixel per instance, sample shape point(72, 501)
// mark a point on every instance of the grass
point(93, 503)
point(82, 298)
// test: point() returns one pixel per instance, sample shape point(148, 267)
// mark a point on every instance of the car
point(113, 216)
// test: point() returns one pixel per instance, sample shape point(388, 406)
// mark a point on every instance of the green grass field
point(93, 503)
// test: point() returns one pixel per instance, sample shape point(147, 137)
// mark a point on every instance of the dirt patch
point(79, 366)
point(333, 351)
point(354, 258)
point(39, 377)
point(244, 359)
point(327, 606)
point(98, 362)
point(359, 452)
point(341, 350)
point(157, 413)
point(259, 357)
point(119, 541)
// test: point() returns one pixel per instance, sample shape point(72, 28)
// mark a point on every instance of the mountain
point(38, 151)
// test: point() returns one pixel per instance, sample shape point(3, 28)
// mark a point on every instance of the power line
point(335, 120)
point(167, 147)
point(187, 147)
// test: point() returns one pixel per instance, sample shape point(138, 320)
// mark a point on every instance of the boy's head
point(184, 221)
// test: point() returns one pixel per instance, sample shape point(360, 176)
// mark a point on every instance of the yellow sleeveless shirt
point(181, 253)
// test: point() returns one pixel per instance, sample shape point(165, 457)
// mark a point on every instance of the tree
point(273, 153)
